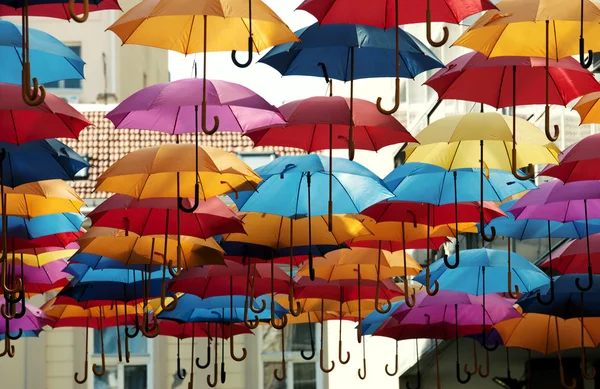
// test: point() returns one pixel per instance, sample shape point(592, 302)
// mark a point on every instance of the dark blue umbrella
point(38, 161)
point(43, 225)
point(51, 60)
point(338, 46)
point(97, 262)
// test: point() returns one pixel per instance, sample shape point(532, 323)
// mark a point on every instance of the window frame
point(291, 358)
point(112, 360)
point(62, 83)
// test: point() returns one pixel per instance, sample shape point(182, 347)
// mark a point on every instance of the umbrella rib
point(187, 46)
point(312, 138)
point(500, 88)
point(564, 103)
point(370, 138)
point(12, 116)
point(297, 197)
point(345, 190)
point(176, 119)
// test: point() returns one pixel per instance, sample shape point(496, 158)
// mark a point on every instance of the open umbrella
point(56, 10)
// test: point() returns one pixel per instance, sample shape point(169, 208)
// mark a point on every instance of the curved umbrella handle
point(181, 373)
point(409, 298)
point(362, 372)
point(215, 119)
point(436, 285)
point(281, 326)
point(484, 236)
point(551, 300)
point(232, 349)
point(263, 306)
point(396, 103)
point(388, 302)
point(476, 366)
point(136, 329)
point(85, 372)
point(322, 363)
point(294, 311)
point(249, 61)
point(552, 137)
point(393, 373)
point(459, 378)
point(207, 364)
point(312, 343)
point(512, 294)
point(561, 372)
point(276, 371)
point(15, 337)
point(515, 171)
point(490, 348)
point(590, 281)
point(73, 14)
point(446, 34)
point(176, 273)
point(194, 207)
point(456, 256)
point(173, 304)
point(584, 373)
point(147, 331)
point(30, 93)
point(216, 367)
point(100, 372)
point(585, 63)
point(487, 366)
point(342, 360)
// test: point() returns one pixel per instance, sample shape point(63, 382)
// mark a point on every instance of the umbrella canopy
point(371, 52)
point(367, 257)
point(43, 225)
point(159, 216)
point(54, 10)
point(577, 162)
point(51, 60)
point(152, 173)
point(42, 198)
point(454, 142)
point(59, 241)
point(21, 122)
point(34, 319)
point(246, 253)
point(75, 316)
point(468, 277)
point(198, 329)
point(311, 119)
point(587, 108)
point(172, 107)
point(568, 301)
point(45, 275)
point(181, 26)
point(344, 290)
point(493, 79)
point(500, 32)
point(286, 189)
point(540, 332)
point(382, 12)
point(438, 184)
point(572, 257)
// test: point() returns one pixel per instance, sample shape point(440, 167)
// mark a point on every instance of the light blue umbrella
point(51, 60)
point(43, 225)
point(293, 187)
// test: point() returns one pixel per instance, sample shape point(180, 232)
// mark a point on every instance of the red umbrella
point(572, 257)
point(473, 77)
point(397, 211)
point(159, 216)
point(391, 13)
point(58, 10)
point(22, 123)
point(578, 162)
point(317, 121)
point(433, 243)
point(62, 240)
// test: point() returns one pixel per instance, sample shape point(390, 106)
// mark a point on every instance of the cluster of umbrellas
point(165, 254)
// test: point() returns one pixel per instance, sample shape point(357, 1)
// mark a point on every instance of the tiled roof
point(103, 145)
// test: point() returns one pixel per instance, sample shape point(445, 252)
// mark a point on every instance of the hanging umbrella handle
point(193, 208)
point(15, 337)
point(136, 330)
point(173, 304)
point(100, 372)
point(584, 373)
point(487, 366)
point(147, 331)
point(551, 300)
point(312, 343)
point(456, 257)
point(232, 350)
point(388, 303)
point(458, 377)
point(491, 348)
point(436, 285)
point(396, 97)
point(515, 171)
point(281, 326)
point(446, 33)
point(590, 281)
point(215, 119)
point(216, 367)
point(393, 373)
point(561, 372)
point(476, 365)
point(322, 362)
point(362, 372)
point(30, 93)
point(207, 364)
point(181, 373)
point(512, 294)
point(342, 360)
point(298, 310)
point(73, 14)
point(171, 267)
point(409, 298)
point(249, 61)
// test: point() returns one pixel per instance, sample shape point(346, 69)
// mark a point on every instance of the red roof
point(103, 145)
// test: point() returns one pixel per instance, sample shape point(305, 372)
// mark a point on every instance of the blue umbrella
point(336, 45)
point(436, 184)
point(293, 188)
point(567, 301)
point(470, 276)
point(43, 225)
point(535, 229)
point(39, 160)
point(98, 262)
point(51, 60)
point(375, 319)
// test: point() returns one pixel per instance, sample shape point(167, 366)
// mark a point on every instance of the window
point(256, 160)
point(300, 374)
point(83, 174)
point(67, 84)
point(133, 375)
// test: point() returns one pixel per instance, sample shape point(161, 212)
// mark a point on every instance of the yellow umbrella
point(549, 334)
point(152, 173)
point(537, 28)
point(587, 108)
point(42, 198)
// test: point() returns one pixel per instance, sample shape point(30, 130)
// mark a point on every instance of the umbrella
point(51, 59)
point(587, 108)
point(350, 51)
point(41, 198)
point(57, 11)
point(41, 226)
point(500, 32)
point(549, 334)
point(571, 258)
point(576, 162)
point(30, 321)
point(149, 216)
point(22, 121)
point(336, 11)
point(293, 183)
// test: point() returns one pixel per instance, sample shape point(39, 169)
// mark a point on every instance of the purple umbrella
point(172, 107)
point(31, 319)
point(50, 273)
point(555, 200)
point(448, 315)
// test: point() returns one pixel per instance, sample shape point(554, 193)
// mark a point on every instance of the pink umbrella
point(22, 123)
point(320, 123)
point(473, 77)
point(154, 217)
point(172, 107)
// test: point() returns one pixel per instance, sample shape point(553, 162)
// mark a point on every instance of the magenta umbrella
point(448, 315)
point(47, 274)
point(172, 107)
point(30, 319)
point(555, 200)
point(473, 77)
point(321, 122)
point(158, 216)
